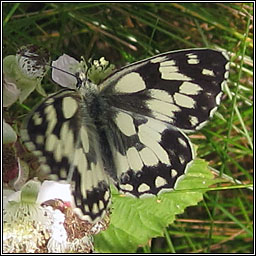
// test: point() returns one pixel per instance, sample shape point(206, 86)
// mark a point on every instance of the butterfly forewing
point(182, 88)
point(153, 102)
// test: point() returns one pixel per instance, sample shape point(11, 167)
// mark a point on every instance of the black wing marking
point(148, 155)
point(61, 133)
point(182, 88)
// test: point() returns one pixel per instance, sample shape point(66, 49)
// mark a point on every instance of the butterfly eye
point(80, 78)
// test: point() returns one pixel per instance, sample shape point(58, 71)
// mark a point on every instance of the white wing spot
point(148, 157)
point(50, 142)
point(160, 181)
point(150, 138)
point(152, 134)
point(87, 172)
point(190, 88)
point(127, 187)
point(95, 208)
point(80, 161)
point(182, 142)
point(86, 208)
point(156, 125)
point(143, 187)
point(208, 72)
point(64, 131)
point(37, 118)
point(182, 159)
point(193, 61)
point(51, 117)
point(69, 107)
point(106, 196)
point(125, 123)
point(184, 101)
point(191, 55)
point(121, 162)
point(170, 72)
point(69, 145)
point(63, 173)
point(101, 205)
point(193, 120)
point(161, 95)
point(40, 139)
point(130, 83)
point(209, 94)
point(134, 159)
point(82, 165)
point(35, 152)
point(173, 173)
point(58, 151)
point(163, 117)
point(168, 63)
point(162, 107)
point(49, 101)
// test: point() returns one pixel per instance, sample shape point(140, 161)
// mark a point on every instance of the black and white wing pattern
point(63, 136)
point(182, 88)
point(154, 102)
point(130, 129)
point(148, 155)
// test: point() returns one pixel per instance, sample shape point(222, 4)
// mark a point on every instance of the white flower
point(39, 219)
point(32, 61)
point(28, 225)
point(69, 65)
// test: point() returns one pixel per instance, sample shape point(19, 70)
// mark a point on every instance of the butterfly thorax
point(87, 87)
point(90, 94)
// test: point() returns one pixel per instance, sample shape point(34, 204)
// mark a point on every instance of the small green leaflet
point(146, 218)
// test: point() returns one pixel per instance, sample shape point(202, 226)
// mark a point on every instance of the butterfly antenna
point(64, 71)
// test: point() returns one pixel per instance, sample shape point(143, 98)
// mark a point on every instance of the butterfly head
point(84, 83)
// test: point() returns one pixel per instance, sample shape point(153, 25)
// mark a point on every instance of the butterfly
point(128, 130)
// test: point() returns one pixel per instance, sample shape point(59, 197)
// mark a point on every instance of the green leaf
point(135, 221)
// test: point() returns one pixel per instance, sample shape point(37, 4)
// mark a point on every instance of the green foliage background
point(127, 32)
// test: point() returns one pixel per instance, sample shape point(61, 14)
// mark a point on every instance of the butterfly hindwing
point(182, 88)
point(61, 133)
point(149, 155)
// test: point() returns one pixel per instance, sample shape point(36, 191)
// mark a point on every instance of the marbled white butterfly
point(130, 129)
